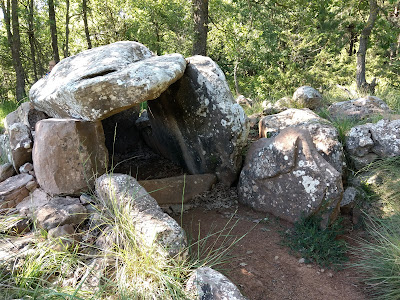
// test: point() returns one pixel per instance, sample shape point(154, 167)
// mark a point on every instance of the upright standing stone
point(197, 123)
point(68, 155)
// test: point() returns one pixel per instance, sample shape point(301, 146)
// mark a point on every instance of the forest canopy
point(266, 48)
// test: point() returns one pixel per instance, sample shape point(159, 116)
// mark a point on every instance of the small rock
point(302, 260)
point(6, 171)
point(25, 168)
point(330, 275)
point(322, 270)
point(243, 264)
point(31, 185)
point(309, 266)
point(276, 257)
point(250, 252)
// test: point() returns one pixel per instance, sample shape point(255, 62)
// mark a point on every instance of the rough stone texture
point(368, 142)
point(103, 81)
point(68, 154)
point(307, 97)
point(359, 109)
point(60, 211)
point(287, 177)
point(324, 134)
point(152, 225)
point(63, 236)
point(120, 131)
point(208, 284)
point(349, 197)
point(13, 190)
point(197, 124)
point(5, 148)
point(21, 143)
point(26, 168)
point(6, 171)
point(170, 190)
point(25, 114)
point(29, 205)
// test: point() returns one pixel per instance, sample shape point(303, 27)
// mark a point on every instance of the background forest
point(266, 48)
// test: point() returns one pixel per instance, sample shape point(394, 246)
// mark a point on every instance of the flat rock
point(324, 135)
point(13, 190)
point(103, 81)
point(29, 205)
point(68, 154)
point(175, 190)
point(206, 283)
point(286, 176)
point(197, 124)
point(153, 226)
point(60, 211)
point(359, 109)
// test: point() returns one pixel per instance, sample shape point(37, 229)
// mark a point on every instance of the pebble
point(243, 264)
point(330, 275)
point(250, 252)
point(302, 260)
point(276, 257)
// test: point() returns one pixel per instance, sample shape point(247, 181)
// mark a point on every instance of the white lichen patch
point(310, 185)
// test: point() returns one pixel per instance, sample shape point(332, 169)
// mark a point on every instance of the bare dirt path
point(263, 268)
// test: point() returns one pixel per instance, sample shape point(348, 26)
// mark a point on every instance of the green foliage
point(378, 257)
point(316, 244)
point(6, 107)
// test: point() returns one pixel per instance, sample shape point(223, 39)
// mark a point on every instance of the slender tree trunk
point(200, 18)
point(235, 78)
point(66, 50)
point(362, 84)
point(53, 30)
point(85, 22)
point(13, 38)
point(31, 36)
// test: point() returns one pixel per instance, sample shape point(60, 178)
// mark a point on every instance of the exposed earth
point(261, 266)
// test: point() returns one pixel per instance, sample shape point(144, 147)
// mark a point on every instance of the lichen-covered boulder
point(68, 154)
point(103, 81)
point(324, 135)
point(208, 284)
point(307, 97)
point(153, 227)
point(286, 176)
point(368, 142)
point(197, 124)
point(359, 109)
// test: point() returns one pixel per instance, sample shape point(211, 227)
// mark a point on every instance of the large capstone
point(103, 81)
point(286, 176)
point(68, 155)
point(197, 124)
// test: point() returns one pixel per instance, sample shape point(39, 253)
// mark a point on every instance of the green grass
point(6, 107)
point(134, 270)
point(316, 244)
point(379, 257)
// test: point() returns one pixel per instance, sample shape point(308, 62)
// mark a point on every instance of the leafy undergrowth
point(316, 244)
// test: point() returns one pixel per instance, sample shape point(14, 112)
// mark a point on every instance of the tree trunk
point(362, 84)
point(53, 31)
point(66, 50)
point(85, 22)
point(14, 42)
point(200, 18)
point(31, 36)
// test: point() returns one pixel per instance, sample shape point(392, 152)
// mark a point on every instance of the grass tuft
point(315, 244)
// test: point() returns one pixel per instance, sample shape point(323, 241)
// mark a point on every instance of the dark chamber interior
point(129, 153)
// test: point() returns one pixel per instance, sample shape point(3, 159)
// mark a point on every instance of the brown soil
point(261, 267)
